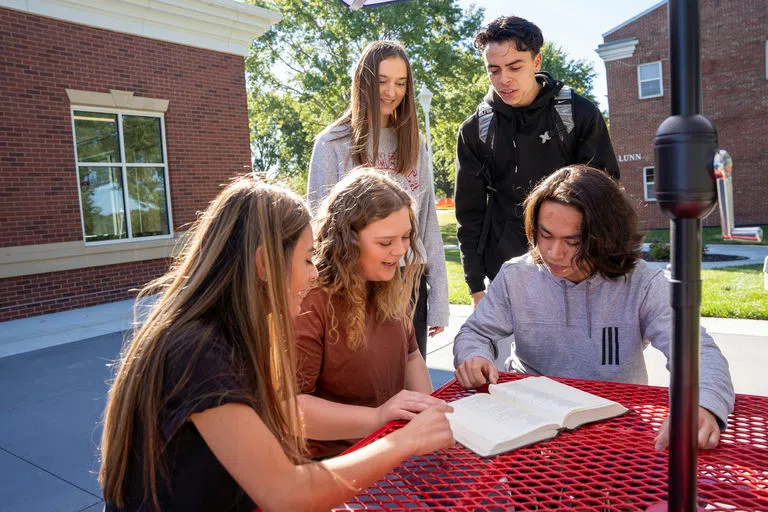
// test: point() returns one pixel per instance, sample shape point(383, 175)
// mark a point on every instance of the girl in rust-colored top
point(359, 366)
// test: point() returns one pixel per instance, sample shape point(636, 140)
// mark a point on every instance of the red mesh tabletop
point(609, 465)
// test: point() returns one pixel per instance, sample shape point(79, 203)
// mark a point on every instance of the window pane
point(650, 88)
point(650, 174)
point(146, 198)
point(96, 137)
point(143, 143)
point(101, 196)
point(649, 71)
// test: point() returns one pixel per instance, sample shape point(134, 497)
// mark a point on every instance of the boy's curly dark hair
point(526, 35)
point(610, 237)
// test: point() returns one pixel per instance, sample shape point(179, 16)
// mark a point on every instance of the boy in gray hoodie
point(581, 303)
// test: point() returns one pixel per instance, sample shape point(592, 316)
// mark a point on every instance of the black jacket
point(526, 150)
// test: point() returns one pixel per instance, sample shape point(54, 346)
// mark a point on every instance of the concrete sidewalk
point(39, 332)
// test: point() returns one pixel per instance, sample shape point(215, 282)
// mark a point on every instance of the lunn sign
point(631, 157)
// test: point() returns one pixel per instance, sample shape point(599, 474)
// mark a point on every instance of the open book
point(522, 412)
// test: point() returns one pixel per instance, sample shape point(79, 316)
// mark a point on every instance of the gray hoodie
point(331, 161)
point(596, 329)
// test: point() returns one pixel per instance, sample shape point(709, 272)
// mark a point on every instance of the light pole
point(425, 99)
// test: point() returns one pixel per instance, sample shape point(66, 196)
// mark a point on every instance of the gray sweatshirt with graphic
point(331, 161)
point(596, 329)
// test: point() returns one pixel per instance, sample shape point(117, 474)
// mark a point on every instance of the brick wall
point(59, 291)
point(735, 97)
point(206, 132)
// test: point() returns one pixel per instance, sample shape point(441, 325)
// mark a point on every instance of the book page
point(554, 400)
point(488, 425)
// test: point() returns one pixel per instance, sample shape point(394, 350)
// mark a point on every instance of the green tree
point(280, 138)
point(577, 73)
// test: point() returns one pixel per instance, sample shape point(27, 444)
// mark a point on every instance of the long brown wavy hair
point(611, 241)
point(364, 114)
point(360, 198)
point(213, 283)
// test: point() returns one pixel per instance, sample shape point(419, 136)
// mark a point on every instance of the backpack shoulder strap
point(484, 118)
point(486, 130)
point(564, 109)
point(487, 135)
point(564, 125)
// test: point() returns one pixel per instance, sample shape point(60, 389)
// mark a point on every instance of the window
point(649, 183)
point(123, 175)
point(649, 80)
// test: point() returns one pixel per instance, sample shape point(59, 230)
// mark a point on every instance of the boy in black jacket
point(528, 126)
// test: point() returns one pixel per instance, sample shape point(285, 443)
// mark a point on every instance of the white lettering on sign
point(632, 157)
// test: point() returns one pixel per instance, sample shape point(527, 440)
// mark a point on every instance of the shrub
point(659, 250)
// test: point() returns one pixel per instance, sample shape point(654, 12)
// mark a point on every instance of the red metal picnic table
point(608, 466)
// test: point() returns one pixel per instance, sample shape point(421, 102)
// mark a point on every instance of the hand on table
point(475, 372)
point(405, 406)
point(428, 431)
point(709, 432)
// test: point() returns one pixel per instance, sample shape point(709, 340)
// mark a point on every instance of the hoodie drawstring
point(565, 304)
point(565, 300)
point(514, 143)
point(589, 315)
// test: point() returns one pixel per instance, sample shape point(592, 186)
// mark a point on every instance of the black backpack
point(486, 126)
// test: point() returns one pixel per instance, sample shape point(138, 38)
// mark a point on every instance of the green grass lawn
point(731, 292)
point(734, 292)
point(713, 235)
point(447, 221)
point(457, 288)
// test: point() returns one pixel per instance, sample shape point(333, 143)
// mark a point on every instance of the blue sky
point(577, 26)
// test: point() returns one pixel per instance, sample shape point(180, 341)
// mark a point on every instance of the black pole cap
point(684, 151)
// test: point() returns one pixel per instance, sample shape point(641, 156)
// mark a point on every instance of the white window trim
point(661, 81)
point(123, 166)
point(116, 99)
point(646, 183)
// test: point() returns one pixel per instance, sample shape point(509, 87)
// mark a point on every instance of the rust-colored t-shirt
point(327, 368)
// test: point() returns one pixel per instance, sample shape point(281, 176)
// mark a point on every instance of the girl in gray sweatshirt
point(380, 130)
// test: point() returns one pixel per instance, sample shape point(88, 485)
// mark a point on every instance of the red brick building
point(118, 122)
point(734, 50)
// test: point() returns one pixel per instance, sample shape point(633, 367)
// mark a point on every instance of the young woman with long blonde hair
point(358, 363)
point(380, 130)
point(202, 414)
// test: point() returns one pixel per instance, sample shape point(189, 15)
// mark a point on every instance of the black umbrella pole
point(684, 387)
point(684, 149)
point(685, 68)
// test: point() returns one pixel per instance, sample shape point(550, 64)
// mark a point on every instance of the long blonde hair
point(213, 283)
point(360, 198)
point(364, 114)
